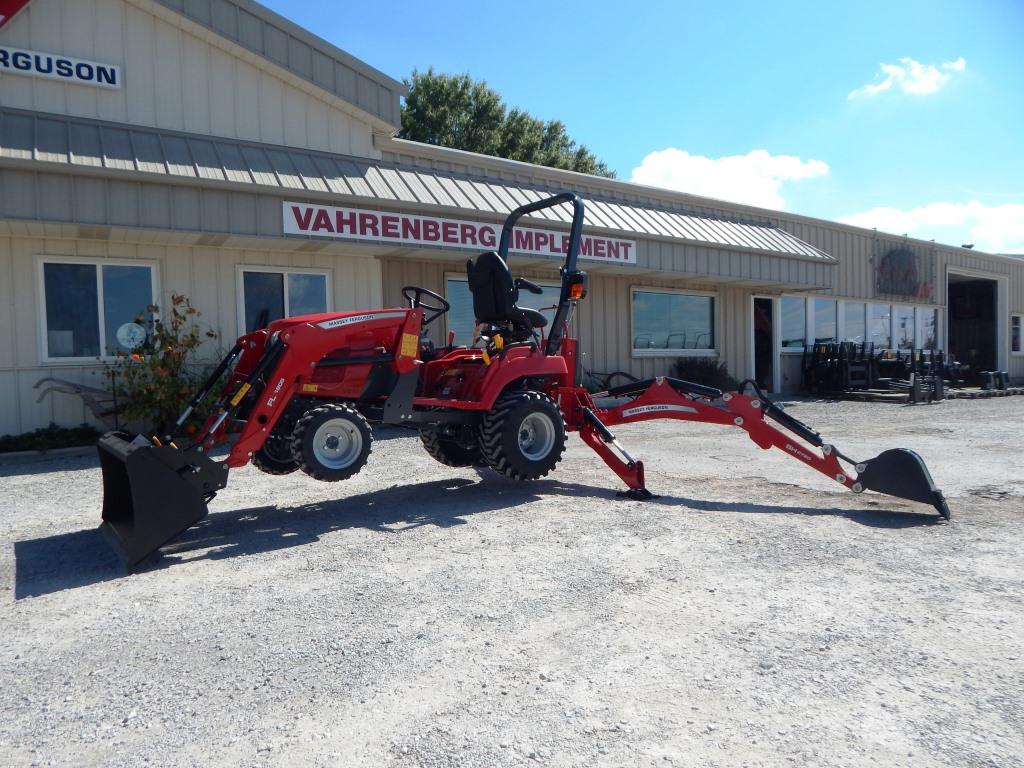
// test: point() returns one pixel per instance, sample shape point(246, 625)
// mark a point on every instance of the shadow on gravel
point(81, 558)
point(65, 561)
point(874, 518)
point(50, 464)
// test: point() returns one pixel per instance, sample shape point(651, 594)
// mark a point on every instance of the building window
point(903, 327)
point(1016, 342)
point(673, 323)
point(927, 328)
point(879, 325)
point(853, 321)
point(824, 321)
point(794, 322)
point(460, 317)
point(88, 308)
point(270, 294)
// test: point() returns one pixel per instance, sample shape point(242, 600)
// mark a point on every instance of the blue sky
point(760, 102)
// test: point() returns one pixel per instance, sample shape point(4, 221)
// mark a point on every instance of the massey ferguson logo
point(15, 61)
point(657, 409)
point(328, 324)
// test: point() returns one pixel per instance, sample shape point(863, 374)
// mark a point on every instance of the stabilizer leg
point(595, 434)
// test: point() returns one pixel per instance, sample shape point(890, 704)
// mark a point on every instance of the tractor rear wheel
point(331, 442)
point(523, 436)
point(448, 451)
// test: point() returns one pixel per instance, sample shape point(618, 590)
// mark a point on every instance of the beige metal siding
point(266, 34)
point(172, 80)
point(207, 275)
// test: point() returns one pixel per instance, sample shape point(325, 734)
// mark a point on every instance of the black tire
point(618, 378)
point(275, 457)
point(513, 427)
point(447, 451)
point(331, 442)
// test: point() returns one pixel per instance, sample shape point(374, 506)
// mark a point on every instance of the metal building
point(215, 149)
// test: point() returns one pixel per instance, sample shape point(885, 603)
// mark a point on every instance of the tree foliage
point(459, 112)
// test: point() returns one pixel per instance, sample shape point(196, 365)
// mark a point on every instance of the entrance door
point(973, 333)
point(764, 343)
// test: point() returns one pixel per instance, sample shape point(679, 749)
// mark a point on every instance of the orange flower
point(136, 357)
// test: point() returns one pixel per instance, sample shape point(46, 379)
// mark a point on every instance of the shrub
point(49, 438)
point(155, 381)
point(705, 370)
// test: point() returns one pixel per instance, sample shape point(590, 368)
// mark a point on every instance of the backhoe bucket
point(152, 493)
point(901, 472)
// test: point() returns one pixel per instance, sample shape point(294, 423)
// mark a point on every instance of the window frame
point(99, 262)
point(894, 310)
point(808, 322)
point(841, 303)
point(463, 277)
point(811, 331)
point(241, 269)
point(919, 310)
point(1019, 317)
point(716, 312)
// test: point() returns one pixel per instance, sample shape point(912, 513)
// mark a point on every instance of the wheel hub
point(337, 444)
point(536, 436)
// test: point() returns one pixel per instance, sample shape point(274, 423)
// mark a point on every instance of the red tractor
point(303, 392)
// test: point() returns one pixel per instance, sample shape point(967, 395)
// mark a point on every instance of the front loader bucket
point(901, 472)
point(152, 493)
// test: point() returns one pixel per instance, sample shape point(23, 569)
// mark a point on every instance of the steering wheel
point(414, 295)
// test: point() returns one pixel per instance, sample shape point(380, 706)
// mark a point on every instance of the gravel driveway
point(417, 615)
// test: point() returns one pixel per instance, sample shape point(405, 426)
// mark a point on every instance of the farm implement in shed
point(302, 393)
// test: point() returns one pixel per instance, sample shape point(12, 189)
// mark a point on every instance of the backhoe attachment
point(896, 472)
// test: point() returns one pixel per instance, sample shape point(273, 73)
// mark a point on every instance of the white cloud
point(911, 77)
point(753, 178)
point(996, 228)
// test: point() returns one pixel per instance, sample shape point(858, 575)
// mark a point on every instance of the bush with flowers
point(155, 381)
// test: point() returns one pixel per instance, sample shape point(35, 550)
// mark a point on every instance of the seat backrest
point(494, 293)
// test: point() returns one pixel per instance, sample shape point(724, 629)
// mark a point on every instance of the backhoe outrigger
point(301, 393)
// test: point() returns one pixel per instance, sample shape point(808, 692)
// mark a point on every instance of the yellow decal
point(499, 343)
point(239, 394)
point(310, 387)
point(410, 345)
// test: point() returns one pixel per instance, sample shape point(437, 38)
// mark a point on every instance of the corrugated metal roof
point(82, 142)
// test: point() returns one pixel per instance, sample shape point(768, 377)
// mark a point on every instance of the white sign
point(359, 224)
point(15, 61)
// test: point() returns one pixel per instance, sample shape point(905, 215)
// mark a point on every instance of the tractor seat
point(535, 318)
point(495, 296)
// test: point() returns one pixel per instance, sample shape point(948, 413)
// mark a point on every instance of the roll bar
point(575, 234)
point(568, 269)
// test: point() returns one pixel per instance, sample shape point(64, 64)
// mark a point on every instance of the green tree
point(459, 112)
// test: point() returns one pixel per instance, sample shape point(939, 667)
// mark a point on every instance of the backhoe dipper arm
point(897, 472)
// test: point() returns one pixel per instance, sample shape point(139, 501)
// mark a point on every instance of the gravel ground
point(422, 616)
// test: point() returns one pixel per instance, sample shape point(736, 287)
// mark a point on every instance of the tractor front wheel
point(331, 442)
point(523, 436)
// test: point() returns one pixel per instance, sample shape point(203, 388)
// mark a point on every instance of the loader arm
point(896, 472)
